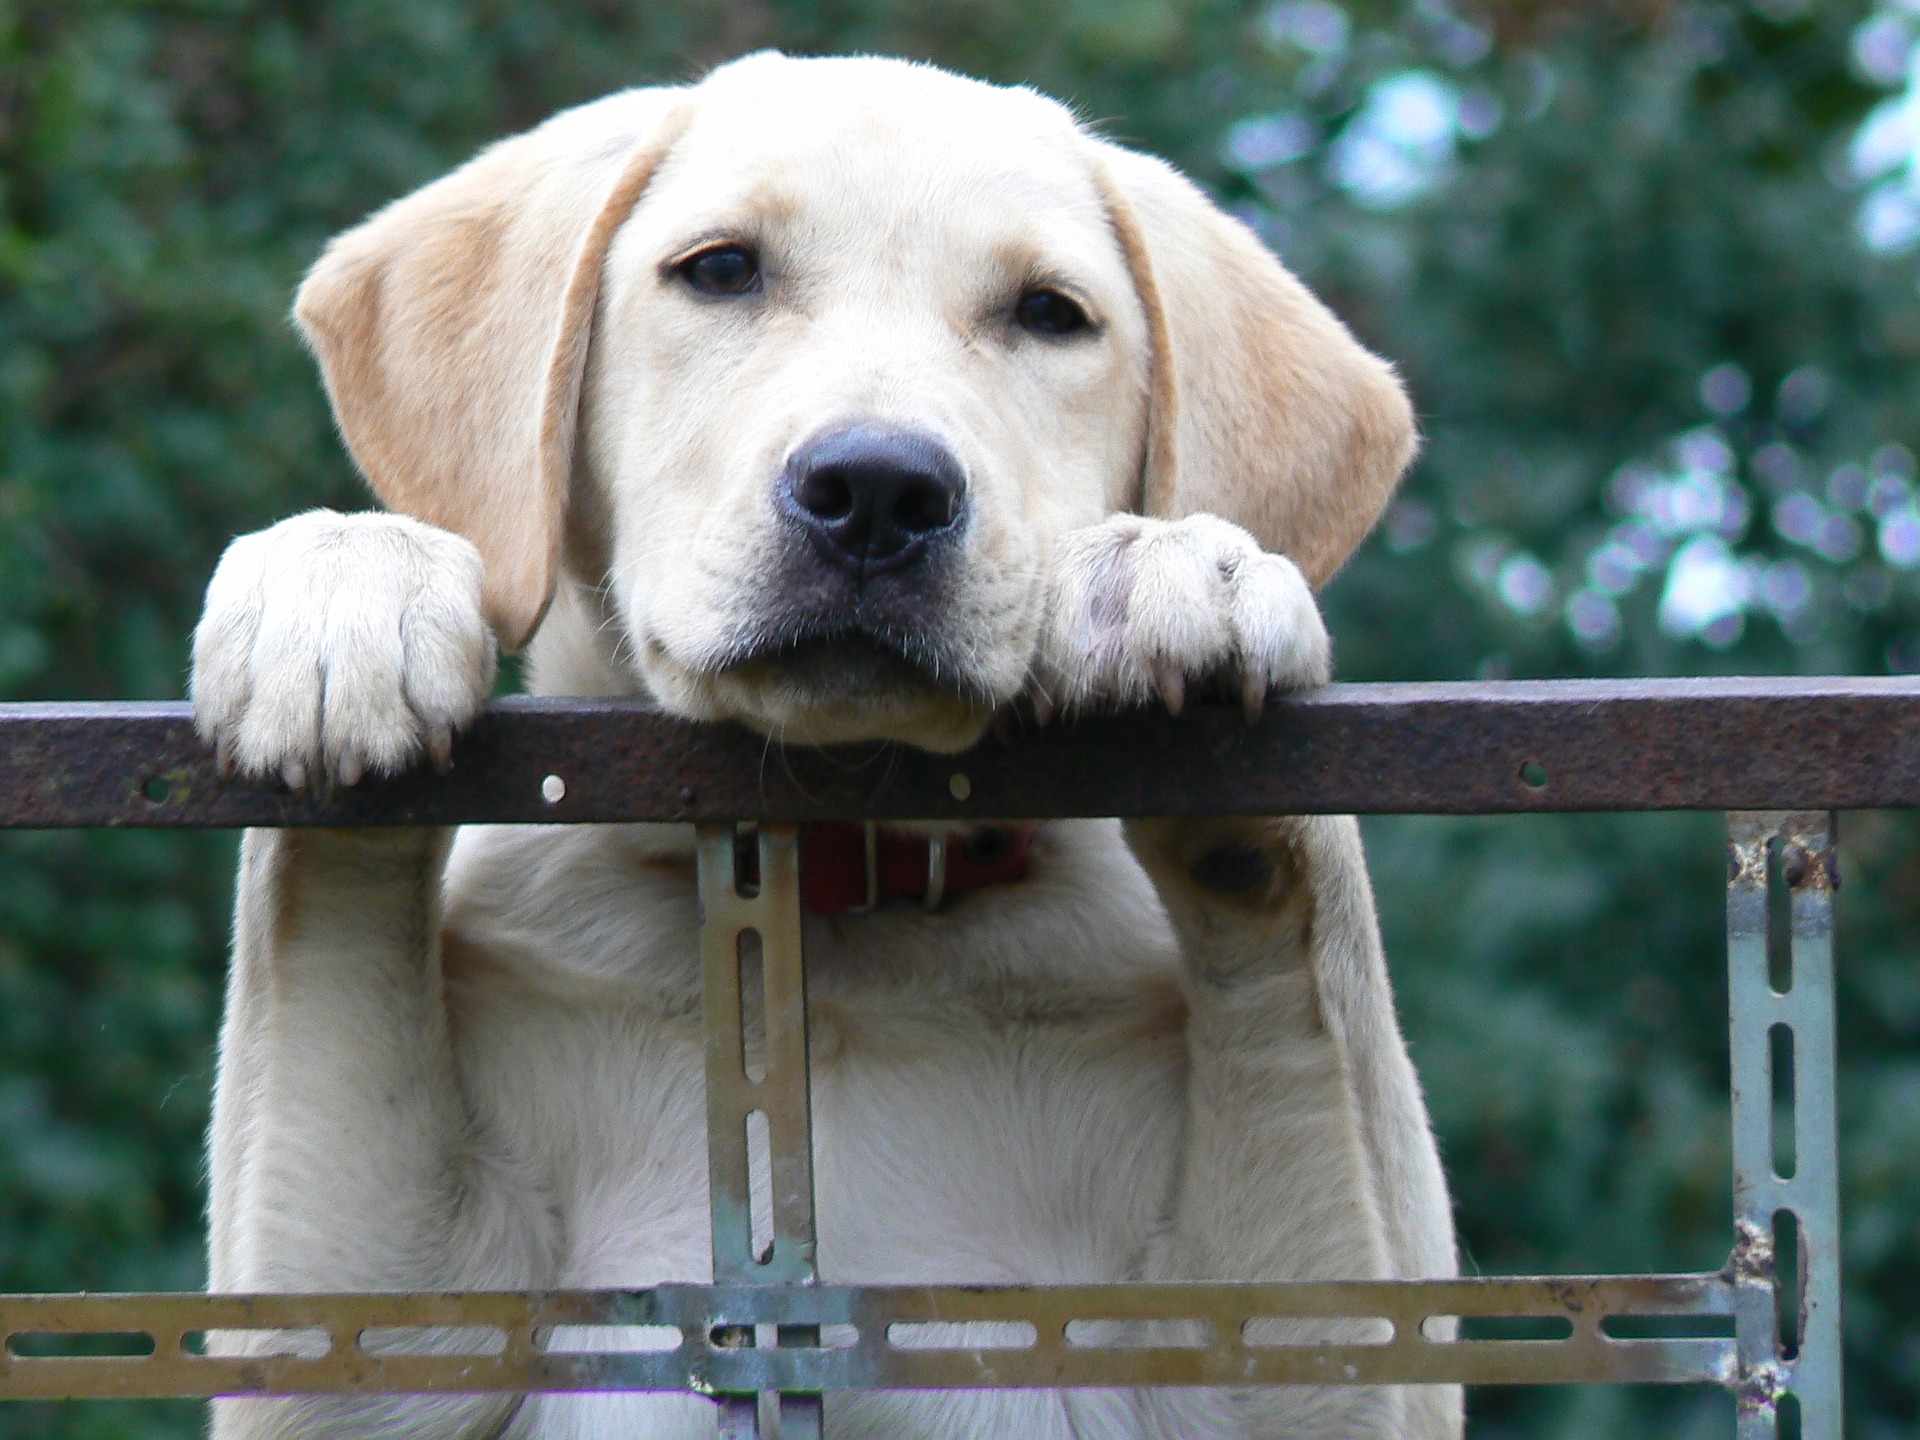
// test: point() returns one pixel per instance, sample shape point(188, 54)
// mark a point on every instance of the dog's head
point(773, 393)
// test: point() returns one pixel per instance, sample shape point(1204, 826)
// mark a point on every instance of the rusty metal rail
point(1727, 744)
point(767, 1340)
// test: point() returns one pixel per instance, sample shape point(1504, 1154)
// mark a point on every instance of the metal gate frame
point(767, 1338)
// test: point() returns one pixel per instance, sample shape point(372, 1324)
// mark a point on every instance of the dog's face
point(792, 380)
point(863, 351)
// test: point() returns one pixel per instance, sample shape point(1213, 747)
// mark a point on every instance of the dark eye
point(1048, 312)
point(723, 270)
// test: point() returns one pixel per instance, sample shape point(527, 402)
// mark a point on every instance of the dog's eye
point(1048, 312)
point(723, 270)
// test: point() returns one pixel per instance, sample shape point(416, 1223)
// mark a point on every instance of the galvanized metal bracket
point(759, 1104)
point(1782, 871)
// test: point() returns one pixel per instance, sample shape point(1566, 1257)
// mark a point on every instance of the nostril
point(924, 506)
point(827, 495)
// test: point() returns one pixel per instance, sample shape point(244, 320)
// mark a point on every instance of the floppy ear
point(1265, 410)
point(452, 330)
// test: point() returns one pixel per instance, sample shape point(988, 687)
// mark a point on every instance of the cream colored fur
point(474, 1060)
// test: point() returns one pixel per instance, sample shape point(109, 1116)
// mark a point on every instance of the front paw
point(1140, 607)
point(334, 645)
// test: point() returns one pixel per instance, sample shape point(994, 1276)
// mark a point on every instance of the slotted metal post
point(779, 1095)
point(1785, 1153)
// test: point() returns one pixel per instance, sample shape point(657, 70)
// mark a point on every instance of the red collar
point(847, 867)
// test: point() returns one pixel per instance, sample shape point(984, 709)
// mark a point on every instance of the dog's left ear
point(1265, 410)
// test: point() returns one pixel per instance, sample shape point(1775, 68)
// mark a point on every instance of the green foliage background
point(1621, 269)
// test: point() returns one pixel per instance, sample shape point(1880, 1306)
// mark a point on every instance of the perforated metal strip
point(756, 1039)
point(673, 1338)
point(1786, 1193)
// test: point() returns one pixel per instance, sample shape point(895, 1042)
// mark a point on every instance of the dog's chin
point(831, 692)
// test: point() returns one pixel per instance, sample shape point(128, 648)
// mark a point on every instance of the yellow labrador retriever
point(846, 399)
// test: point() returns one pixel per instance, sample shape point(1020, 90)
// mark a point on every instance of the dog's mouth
point(838, 666)
point(825, 685)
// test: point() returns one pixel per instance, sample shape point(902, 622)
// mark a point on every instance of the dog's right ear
point(452, 329)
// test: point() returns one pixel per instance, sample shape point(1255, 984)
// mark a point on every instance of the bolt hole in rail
point(767, 1339)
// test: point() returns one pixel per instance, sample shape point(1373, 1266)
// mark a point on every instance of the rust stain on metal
point(1752, 1259)
point(1758, 1388)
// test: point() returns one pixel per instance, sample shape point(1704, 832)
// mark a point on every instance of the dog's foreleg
point(1307, 1154)
point(345, 1157)
point(343, 1154)
point(360, 1168)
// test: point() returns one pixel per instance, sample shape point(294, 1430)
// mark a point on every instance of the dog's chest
point(997, 1093)
point(948, 1148)
point(963, 1158)
point(998, 1097)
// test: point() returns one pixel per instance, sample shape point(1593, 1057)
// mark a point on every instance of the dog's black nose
point(872, 499)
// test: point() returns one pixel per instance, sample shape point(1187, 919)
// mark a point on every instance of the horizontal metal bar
point(1366, 1332)
point(1829, 743)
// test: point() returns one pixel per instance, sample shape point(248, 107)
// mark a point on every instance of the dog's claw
point(1172, 686)
point(1042, 706)
point(1253, 697)
point(293, 774)
point(223, 760)
point(440, 748)
point(350, 770)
